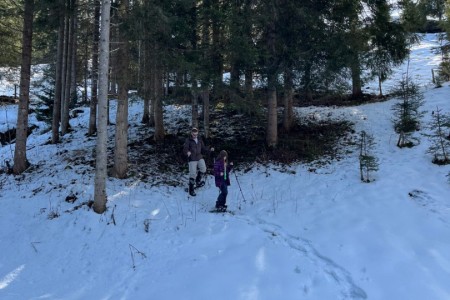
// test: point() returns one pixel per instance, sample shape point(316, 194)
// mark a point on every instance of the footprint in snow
point(336, 273)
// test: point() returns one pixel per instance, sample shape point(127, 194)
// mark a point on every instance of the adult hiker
point(222, 178)
point(194, 149)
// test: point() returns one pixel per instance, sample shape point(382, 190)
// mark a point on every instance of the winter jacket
point(196, 148)
point(219, 167)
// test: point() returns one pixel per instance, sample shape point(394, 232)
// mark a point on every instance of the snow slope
point(311, 233)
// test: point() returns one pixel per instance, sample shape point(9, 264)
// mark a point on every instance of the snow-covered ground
point(312, 233)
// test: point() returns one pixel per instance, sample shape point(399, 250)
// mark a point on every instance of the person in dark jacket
point(222, 178)
point(194, 149)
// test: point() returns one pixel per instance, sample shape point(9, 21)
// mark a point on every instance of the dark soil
point(243, 137)
point(339, 100)
point(5, 100)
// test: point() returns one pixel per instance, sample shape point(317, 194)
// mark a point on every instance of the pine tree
point(388, 42)
point(367, 162)
point(20, 152)
point(271, 70)
point(241, 54)
point(432, 8)
point(94, 71)
point(10, 33)
point(407, 113)
point(59, 72)
point(44, 105)
point(120, 167)
point(102, 134)
point(69, 57)
point(412, 19)
point(440, 137)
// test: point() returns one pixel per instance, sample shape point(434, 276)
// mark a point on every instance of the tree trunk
point(158, 108)
point(114, 59)
point(271, 68)
point(146, 95)
point(144, 66)
point(194, 109)
point(205, 100)
point(65, 73)
point(121, 137)
point(151, 121)
point(235, 82)
point(73, 82)
point(121, 140)
point(59, 74)
point(93, 106)
point(248, 37)
point(248, 85)
point(20, 152)
point(139, 69)
point(102, 135)
point(217, 59)
point(151, 90)
point(272, 119)
point(356, 77)
point(380, 87)
point(288, 113)
point(307, 82)
point(85, 69)
point(70, 63)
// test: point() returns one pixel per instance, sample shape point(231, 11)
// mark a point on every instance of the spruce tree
point(368, 163)
point(388, 42)
point(120, 166)
point(407, 111)
point(440, 137)
point(100, 196)
point(10, 29)
point(432, 8)
point(20, 151)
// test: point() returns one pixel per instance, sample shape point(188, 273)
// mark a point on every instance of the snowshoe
point(218, 209)
point(191, 189)
point(192, 193)
point(199, 184)
point(199, 181)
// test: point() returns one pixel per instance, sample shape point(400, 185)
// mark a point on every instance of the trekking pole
point(237, 180)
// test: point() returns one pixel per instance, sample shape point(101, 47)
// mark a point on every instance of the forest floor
point(310, 140)
point(243, 136)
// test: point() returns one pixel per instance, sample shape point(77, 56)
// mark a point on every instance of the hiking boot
point(221, 207)
point(191, 188)
point(199, 182)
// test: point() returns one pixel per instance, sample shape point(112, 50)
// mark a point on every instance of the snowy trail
point(430, 203)
point(341, 277)
point(314, 269)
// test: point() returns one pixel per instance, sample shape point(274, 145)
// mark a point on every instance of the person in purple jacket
point(222, 178)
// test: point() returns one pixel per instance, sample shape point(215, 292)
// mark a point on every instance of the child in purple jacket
point(222, 178)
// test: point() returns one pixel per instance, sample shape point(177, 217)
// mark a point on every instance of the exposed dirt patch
point(243, 137)
point(6, 100)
